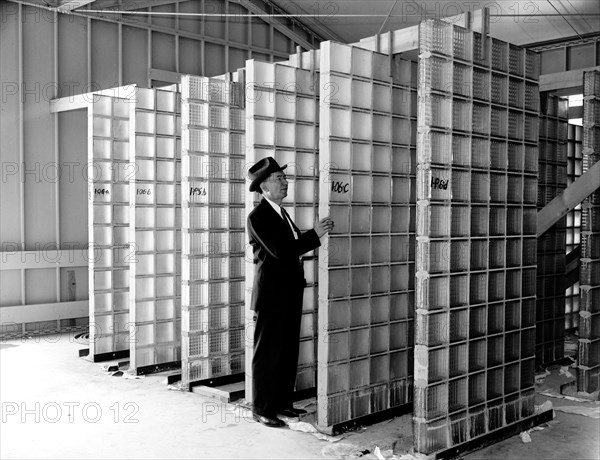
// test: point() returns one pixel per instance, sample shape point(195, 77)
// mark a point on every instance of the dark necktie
point(288, 222)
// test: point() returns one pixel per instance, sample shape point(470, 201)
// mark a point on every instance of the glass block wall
point(476, 236)
point(283, 122)
point(573, 222)
point(589, 270)
point(551, 249)
point(155, 229)
point(108, 218)
point(366, 265)
point(213, 222)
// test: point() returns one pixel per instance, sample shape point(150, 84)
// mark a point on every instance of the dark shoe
point(292, 412)
point(268, 421)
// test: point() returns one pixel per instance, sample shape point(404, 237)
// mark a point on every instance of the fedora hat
point(261, 170)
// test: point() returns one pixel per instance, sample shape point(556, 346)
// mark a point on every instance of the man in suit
point(277, 293)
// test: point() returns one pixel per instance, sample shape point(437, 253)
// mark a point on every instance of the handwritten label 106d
point(440, 184)
point(340, 187)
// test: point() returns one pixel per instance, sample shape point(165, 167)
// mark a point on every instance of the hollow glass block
point(403, 161)
point(382, 98)
point(382, 127)
point(434, 256)
point(498, 122)
point(285, 106)
point(436, 111)
point(362, 94)
point(362, 126)
point(403, 131)
point(480, 153)
point(361, 157)
point(362, 189)
point(340, 123)
point(403, 102)
point(461, 185)
point(102, 127)
point(120, 214)
point(461, 150)
point(285, 134)
point(434, 220)
point(498, 188)
point(481, 118)
point(481, 84)
point(462, 81)
point(478, 287)
point(499, 88)
point(305, 137)
point(102, 149)
point(459, 256)
point(461, 115)
point(480, 183)
point(477, 355)
point(306, 109)
point(438, 148)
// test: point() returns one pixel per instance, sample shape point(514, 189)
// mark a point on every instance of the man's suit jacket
point(279, 275)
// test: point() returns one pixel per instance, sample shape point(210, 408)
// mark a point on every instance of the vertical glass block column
point(109, 172)
point(573, 223)
point(282, 120)
point(366, 265)
point(155, 229)
point(551, 249)
point(588, 378)
point(212, 191)
point(476, 236)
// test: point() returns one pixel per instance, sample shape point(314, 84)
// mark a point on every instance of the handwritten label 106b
point(144, 191)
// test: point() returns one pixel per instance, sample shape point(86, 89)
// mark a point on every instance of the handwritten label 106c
point(340, 187)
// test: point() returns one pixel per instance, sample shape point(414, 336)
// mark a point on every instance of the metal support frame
point(571, 197)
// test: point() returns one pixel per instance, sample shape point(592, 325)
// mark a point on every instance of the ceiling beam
point(70, 5)
point(283, 28)
point(314, 23)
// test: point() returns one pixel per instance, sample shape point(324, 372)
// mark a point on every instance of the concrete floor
point(56, 405)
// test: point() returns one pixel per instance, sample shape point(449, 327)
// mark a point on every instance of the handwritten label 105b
point(101, 191)
point(197, 191)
